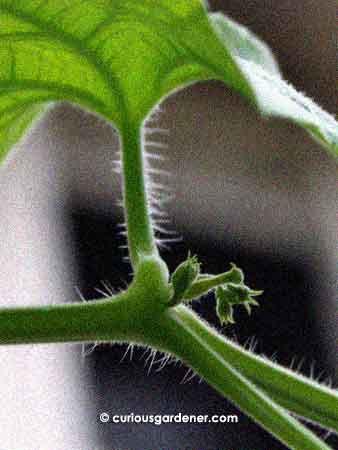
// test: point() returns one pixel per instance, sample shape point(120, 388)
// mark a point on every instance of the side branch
point(100, 320)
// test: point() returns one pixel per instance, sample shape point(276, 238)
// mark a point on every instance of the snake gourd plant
point(119, 59)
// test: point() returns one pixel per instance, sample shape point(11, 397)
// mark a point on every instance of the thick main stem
point(140, 233)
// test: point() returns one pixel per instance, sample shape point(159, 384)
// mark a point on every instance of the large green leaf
point(118, 58)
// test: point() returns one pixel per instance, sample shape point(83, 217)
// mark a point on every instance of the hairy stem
point(178, 337)
point(140, 233)
point(101, 320)
point(123, 317)
point(294, 392)
point(208, 282)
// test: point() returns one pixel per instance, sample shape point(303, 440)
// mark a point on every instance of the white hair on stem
point(108, 290)
point(251, 344)
point(150, 359)
point(130, 350)
point(158, 194)
point(190, 374)
point(163, 362)
point(86, 348)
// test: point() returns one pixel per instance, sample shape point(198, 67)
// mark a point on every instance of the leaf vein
point(75, 44)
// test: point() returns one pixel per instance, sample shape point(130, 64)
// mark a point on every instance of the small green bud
point(224, 307)
point(183, 277)
point(235, 274)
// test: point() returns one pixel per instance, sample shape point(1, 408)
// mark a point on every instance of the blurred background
point(259, 193)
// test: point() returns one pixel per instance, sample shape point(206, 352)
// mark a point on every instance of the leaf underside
point(118, 58)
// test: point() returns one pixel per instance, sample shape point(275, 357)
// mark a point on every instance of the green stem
point(178, 337)
point(208, 282)
point(101, 320)
point(298, 394)
point(140, 233)
point(130, 317)
point(123, 317)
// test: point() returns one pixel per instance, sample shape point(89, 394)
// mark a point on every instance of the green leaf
point(273, 95)
point(242, 43)
point(118, 58)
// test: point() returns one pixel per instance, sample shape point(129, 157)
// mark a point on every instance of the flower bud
point(224, 307)
point(234, 294)
point(183, 277)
